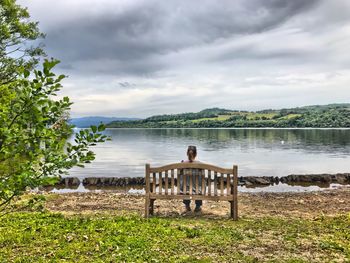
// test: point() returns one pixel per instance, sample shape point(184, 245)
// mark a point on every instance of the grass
point(52, 237)
point(218, 118)
point(291, 116)
point(250, 116)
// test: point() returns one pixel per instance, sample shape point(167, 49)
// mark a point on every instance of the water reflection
point(258, 152)
point(311, 140)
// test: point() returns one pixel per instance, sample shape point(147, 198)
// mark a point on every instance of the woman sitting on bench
point(191, 154)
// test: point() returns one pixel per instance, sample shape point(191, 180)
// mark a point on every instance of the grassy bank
point(45, 237)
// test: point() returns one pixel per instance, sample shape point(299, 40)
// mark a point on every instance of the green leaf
point(101, 127)
point(93, 128)
point(26, 73)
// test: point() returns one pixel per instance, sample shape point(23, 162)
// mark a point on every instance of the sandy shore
point(304, 205)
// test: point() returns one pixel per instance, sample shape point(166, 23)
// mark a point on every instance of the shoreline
point(228, 128)
point(248, 181)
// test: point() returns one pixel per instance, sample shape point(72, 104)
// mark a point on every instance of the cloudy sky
point(137, 58)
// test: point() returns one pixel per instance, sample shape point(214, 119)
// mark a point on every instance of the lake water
point(257, 152)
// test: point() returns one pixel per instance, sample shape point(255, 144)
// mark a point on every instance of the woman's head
point(191, 153)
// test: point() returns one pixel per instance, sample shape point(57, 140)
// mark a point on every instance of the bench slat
point(154, 183)
point(228, 185)
point(191, 181)
point(172, 181)
point(178, 181)
point(203, 182)
point(215, 183)
point(160, 183)
point(166, 182)
point(184, 188)
point(222, 184)
point(209, 182)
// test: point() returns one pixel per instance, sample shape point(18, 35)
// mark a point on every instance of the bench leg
point(147, 206)
point(234, 210)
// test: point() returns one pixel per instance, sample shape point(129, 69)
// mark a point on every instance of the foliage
point(48, 237)
point(33, 125)
point(33, 134)
point(207, 113)
point(326, 116)
point(17, 34)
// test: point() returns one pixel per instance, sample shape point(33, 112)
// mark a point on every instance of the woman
point(191, 154)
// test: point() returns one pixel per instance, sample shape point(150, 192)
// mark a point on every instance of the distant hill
point(85, 122)
point(318, 116)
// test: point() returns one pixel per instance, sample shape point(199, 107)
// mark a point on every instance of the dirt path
point(303, 205)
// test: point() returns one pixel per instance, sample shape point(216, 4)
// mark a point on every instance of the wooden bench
point(167, 182)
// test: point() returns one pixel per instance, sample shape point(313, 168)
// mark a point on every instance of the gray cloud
point(132, 41)
point(126, 84)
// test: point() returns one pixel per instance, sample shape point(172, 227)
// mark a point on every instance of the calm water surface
point(257, 152)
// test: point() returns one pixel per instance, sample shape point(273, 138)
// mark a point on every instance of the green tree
point(33, 123)
point(17, 36)
point(33, 134)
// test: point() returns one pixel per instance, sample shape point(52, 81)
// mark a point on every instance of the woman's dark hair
point(191, 153)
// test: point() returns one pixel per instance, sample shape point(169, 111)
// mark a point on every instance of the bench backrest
point(200, 179)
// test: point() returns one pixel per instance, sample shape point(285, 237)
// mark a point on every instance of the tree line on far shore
point(317, 116)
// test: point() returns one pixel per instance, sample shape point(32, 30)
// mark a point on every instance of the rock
point(69, 181)
point(341, 178)
point(316, 178)
point(113, 181)
point(247, 183)
point(255, 180)
point(283, 179)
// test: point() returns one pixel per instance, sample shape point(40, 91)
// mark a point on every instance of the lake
point(257, 152)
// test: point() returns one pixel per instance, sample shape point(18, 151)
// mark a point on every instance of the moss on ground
point(52, 237)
